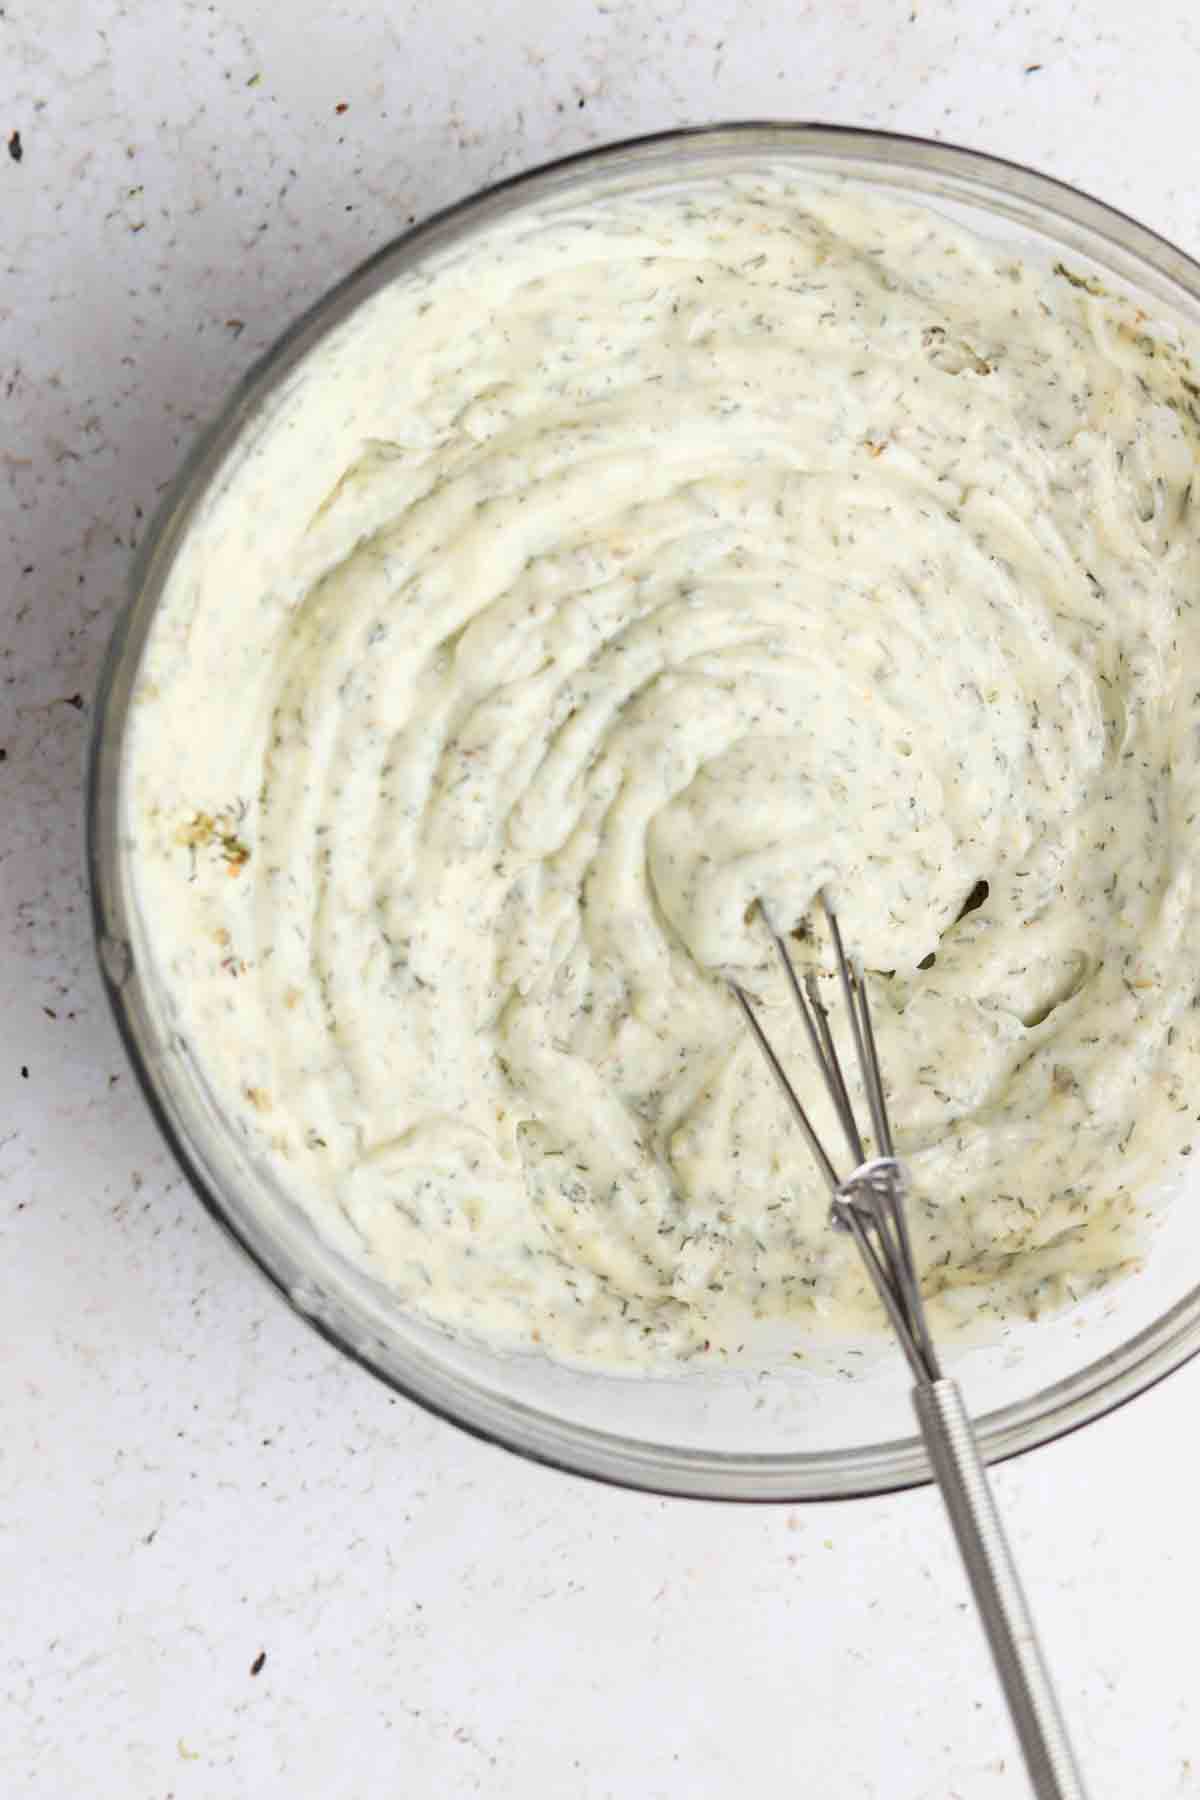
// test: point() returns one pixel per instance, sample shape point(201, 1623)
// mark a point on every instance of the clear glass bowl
point(829, 1430)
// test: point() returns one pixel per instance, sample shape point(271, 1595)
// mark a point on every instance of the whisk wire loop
point(869, 1201)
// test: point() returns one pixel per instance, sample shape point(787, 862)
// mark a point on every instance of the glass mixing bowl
point(837, 1426)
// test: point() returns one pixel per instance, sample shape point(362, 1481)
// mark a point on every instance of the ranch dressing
point(648, 560)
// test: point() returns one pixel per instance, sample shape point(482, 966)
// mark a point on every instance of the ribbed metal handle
point(999, 1597)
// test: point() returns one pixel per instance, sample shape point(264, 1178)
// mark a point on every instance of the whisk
point(869, 1203)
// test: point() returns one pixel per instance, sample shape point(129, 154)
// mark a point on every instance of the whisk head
point(869, 1201)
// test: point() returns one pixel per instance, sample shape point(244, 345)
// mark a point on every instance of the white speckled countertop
point(231, 1564)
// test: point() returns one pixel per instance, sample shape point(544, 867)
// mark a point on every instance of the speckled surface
point(231, 1564)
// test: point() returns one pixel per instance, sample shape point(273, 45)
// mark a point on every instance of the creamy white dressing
point(648, 560)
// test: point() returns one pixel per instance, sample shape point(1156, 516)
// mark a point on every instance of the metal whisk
point(869, 1203)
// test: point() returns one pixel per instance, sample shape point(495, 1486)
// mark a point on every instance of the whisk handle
point(999, 1597)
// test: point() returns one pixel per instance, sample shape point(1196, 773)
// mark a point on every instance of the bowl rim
point(1093, 1391)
